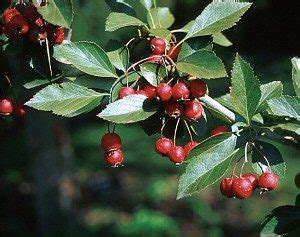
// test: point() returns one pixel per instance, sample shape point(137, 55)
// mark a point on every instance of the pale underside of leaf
point(285, 105)
point(117, 20)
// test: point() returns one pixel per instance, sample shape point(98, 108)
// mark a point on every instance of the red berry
point(125, 91)
point(154, 58)
point(198, 88)
point(39, 21)
point(164, 91)
point(268, 181)
point(219, 130)
point(37, 34)
point(8, 14)
point(173, 108)
point(158, 45)
point(177, 155)
point(150, 90)
point(163, 146)
point(141, 92)
point(180, 91)
point(226, 187)
point(19, 111)
point(173, 54)
point(192, 110)
point(6, 106)
point(114, 158)
point(56, 34)
point(16, 27)
point(252, 178)
point(111, 141)
point(241, 188)
point(189, 146)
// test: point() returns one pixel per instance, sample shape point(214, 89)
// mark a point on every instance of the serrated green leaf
point(263, 151)
point(288, 106)
point(216, 17)
point(292, 127)
point(161, 33)
point(117, 20)
point(130, 109)
point(146, 3)
point(221, 39)
point(153, 73)
point(66, 99)
point(296, 74)
point(202, 64)
point(58, 12)
point(207, 160)
point(160, 17)
point(40, 82)
point(245, 92)
point(118, 55)
point(269, 91)
point(121, 6)
point(87, 57)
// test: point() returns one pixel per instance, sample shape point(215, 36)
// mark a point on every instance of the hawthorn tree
point(165, 92)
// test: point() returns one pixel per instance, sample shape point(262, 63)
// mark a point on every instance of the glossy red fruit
point(6, 106)
point(164, 91)
point(177, 155)
point(125, 91)
point(141, 92)
point(111, 141)
point(31, 13)
point(38, 22)
point(173, 109)
point(163, 146)
point(158, 45)
point(37, 34)
point(198, 88)
point(180, 91)
point(226, 187)
point(218, 130)
point(192, 110)
point(154, 58)
point(252, 178)
point(19, 111)
point(173, 53)
point(9, 13)
point(56, 34)
point(189, 146)
point(114, 158)
point(268, 181)
point(241, 188)
point(150, 90)
point(16, 27)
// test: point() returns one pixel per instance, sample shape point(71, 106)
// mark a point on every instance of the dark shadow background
point(53, 178)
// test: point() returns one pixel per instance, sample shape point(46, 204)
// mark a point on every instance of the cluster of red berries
point(242, 187)
point(24, 20)
point(7, 107)
point(111, 143)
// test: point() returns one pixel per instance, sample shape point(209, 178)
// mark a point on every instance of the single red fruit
point(192, 110)
point(141, 92)
point(39, 21)
point(163, 146)
point(37, 34)
point(56, 34)
point(158, 45)
point(226, 187)
point(173, 53)
point(16, 27)
point(111, 141)
point(114, 158)
point(154, 58)
point(189, 146)
point(297, 180)
point(177, 155)
point(219, 130)
point(150, 90)
point(19, 111)
point(8, 14)
point(198, 88)
point(241, 188)
point(268, 181)
point(6, 106)
point(164, 91)
point(125, 91)
point(252, 178)
point(173, 109)
point(180, 91)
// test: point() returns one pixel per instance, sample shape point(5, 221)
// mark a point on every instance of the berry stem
point(171, 60)
point(265, 158)
point(245, 158)
point(189, 131)
point(48, 57)
point(175, 131)
point(163, 126)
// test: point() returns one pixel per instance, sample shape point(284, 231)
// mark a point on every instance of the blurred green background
point(53, 177)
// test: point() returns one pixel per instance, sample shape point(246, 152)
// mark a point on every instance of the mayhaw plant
point(166, 92)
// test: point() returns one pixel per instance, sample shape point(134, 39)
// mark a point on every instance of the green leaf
point(147, 4)
point(39, 82)
point(185, 28)
point(291, 127)
point(208, 162)
point(216, 17)
point(269, 91)
point(288, 106)
point(296, 74)
point(202, 64)
point(121, 6)
point(221, 39)
point(117, 20)
point(153, 73)
point(58, 12)
point(130, 109)
point(265, 151)
point(161, 33)
point(118, 55)
point(160, 17)
point(87, 57)
point(245, 93)
point(66, 99)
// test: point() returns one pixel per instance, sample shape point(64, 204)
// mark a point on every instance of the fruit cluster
point(7, 107)
point(24, 20)
point(242, 187)
point(111, 143)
